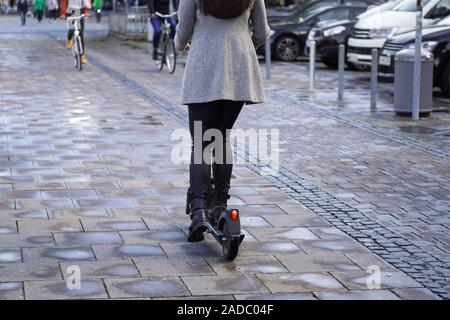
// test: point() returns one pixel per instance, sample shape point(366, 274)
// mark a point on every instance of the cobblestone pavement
point(86, 180)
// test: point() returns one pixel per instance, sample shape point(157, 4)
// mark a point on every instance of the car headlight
point(427, 45)
point(381, 33)
point(334, 31)
point(314, 34)
point(271, 33)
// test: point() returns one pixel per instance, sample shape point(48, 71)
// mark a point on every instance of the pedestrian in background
point(98, 7)
point(222, 74)
point(39, 6)
point(53, 6)
point(22, 8)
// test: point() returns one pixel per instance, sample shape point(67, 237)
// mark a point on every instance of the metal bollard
point(312, 65)
point(417, 64)
point(341, 67)
point(268, 59)
point(374, 80)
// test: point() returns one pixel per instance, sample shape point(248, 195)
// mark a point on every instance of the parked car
point(371, 32)
point(288, 39)
point(387, 6)
point(303, 8)
point(436, 38)
point(328, 37)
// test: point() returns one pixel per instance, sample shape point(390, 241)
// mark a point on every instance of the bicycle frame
point(75, 23)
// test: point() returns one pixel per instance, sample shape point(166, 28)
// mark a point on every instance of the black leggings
point(219, 115)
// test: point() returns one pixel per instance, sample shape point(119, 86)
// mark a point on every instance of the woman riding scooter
point(222, 74)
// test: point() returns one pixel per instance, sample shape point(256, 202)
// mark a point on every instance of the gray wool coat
point(222, 62)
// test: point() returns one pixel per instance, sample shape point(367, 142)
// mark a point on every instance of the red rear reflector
point(234, 214)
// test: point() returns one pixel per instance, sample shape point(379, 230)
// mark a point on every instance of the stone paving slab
point(8, 227)
point(21, 240)
point(172, 267)
point(78, 213)
point(103, 269)
point(126, 251)
point(309, 220)
point(248, 265)
point(223, 284)
point(331, 246)
point(277, 296)
point(415, 294)
point(29, 271)
point(358, 295)
point(57, 290)
point(301, 282)
point(58, 254)
point(262, 248)
point(265, 234)
point(10, 255)
point(154, 236)
point(11, 291)
point(317, 262)
point(17, 215)
point(110, 224)
point(87, 238)
point(49, 226)
point(146, 287)
point(388, 279)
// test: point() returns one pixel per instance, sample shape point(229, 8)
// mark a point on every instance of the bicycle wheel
point(80, 53)
point(163, 47)
point(76, 51)
point(171, 56)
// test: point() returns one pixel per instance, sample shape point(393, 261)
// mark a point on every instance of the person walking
point(163, 7)
point(222, 75)
point(39, 7)
point(98, 7)
point(53, 7)
point(22, 8)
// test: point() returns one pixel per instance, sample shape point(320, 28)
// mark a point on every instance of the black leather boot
point(219, 202)
point(199, 219)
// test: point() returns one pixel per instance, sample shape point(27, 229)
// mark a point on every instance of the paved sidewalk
point(86, 180)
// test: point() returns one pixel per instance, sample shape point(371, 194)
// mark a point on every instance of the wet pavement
point(86, 180)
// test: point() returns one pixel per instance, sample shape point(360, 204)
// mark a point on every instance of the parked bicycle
point(74, 22)
point(166, 45)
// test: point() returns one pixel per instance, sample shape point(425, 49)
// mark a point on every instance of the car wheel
point(287, 48)
point(444, 82)
point(357, 67)
point(330, 63)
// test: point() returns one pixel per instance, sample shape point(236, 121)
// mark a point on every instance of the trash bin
point(404, 81)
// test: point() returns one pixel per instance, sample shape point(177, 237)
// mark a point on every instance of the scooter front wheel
point(230, 244)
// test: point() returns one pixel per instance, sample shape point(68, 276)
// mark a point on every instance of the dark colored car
point(288, 39)
point(328, 37)
point(436, 38)
point(308, 6)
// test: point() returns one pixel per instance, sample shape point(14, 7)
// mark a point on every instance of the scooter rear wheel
point(230, 245)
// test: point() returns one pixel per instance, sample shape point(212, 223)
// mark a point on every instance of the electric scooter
point(225, 226)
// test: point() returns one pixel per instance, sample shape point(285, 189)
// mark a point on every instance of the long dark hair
point(223, 9)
